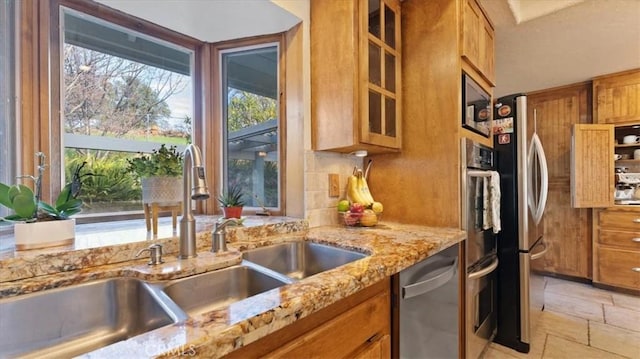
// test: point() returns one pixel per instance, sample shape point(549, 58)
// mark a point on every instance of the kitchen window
point(251, 123)
point(123, 92)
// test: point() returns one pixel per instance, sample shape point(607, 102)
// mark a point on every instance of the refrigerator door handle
point(537, 205)
point(544, 250)
point(485, 271)
point(425, 286)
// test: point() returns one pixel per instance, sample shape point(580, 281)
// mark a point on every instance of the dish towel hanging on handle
point(491, 205)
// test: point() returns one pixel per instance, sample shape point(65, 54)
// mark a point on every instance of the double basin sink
point(69, 321)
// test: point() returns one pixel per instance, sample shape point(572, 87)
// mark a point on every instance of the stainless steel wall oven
point(481, 255)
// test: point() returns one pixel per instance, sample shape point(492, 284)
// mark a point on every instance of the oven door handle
point(425, 286)
point(485, 271)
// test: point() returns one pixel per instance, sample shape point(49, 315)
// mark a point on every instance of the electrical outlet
point(334, 185)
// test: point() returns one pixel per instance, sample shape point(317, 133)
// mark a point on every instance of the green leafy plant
point(232, 197)
point(28, 206)
point(161, 162)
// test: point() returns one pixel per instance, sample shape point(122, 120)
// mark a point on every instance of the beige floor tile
point(573, 306)
point(492, 353)
point(564, 326)
point(536, 347)
point(559, 348)
point(622, 317)
point(616, 340)
point(578, 290)
point(627, 301)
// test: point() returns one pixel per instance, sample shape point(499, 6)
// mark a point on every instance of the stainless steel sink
point(301, 259)
point(213, 290)
point(69, 321)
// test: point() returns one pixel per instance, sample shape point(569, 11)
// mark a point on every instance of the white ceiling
point(567, 45)
point(211, 20)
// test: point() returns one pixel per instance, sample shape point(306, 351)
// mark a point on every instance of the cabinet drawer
point(620, 220)
point(339, 337)
point(619, 267)
point(621, 239)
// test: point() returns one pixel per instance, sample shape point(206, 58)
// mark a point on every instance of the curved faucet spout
point(194, 181)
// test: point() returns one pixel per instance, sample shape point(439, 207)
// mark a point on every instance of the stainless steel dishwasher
point(425, 308)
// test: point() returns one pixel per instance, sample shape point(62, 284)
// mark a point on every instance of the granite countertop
point(391, 247)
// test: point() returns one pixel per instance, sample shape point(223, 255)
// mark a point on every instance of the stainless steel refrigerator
point(520, 160)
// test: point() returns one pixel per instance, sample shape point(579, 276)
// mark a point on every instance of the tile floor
point(582, 322)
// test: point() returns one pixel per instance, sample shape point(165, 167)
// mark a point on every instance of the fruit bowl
point(364, 219)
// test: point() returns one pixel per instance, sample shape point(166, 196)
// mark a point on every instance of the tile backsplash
point(320, 209)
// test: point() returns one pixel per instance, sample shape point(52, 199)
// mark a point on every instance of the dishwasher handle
point(425, 286)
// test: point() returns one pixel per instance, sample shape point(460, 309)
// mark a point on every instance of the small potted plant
point(231, 202)
point(38, 224)
point(160, 175)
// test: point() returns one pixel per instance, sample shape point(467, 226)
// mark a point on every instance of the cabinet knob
point(636, 269)
point(636, 220)
point(636, 239)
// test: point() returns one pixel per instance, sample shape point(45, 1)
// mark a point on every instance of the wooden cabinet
point(424, 179)
point(356, 75)
point(592, 166)
point(478, 40)
point(617, 97)
point(616, 250)
point(355, 327)
point(553, 113)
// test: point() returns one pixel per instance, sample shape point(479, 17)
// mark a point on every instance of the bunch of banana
point(358, 190)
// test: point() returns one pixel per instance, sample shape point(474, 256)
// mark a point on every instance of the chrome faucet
point(219, 242)
point(194, 182)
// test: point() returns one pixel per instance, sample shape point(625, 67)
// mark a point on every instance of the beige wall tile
point(627, 301)
point(564, 326)
point(320, 209)
point(613, 339)
point(622, 317)
point(559, 348)
point(578, 290)
point(573, 306)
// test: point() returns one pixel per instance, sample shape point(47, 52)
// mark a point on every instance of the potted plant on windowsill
point(38, 224)
point(160, 174)
point(231, 202)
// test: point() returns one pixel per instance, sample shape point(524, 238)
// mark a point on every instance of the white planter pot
point(44, 234)
point(162, 190)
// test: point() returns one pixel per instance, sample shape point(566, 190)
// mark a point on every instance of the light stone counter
point(391, 248)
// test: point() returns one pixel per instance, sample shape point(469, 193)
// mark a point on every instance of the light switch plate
point(334, 185)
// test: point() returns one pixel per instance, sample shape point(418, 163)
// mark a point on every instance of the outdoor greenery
point(161, 162)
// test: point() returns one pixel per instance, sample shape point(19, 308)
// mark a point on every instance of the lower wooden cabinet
point(616, 250)
point(355, 327)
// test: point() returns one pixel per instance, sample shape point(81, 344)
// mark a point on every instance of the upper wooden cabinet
point(478, 40)
point(355, 75)
point(616, 98)
point(592, 169)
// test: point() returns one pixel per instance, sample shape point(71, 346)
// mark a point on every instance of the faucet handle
point(155, 254)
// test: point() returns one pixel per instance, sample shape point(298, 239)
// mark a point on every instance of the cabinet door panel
point(340, 336)
point(619, 267)
point(592, 167)
point(617, 98)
